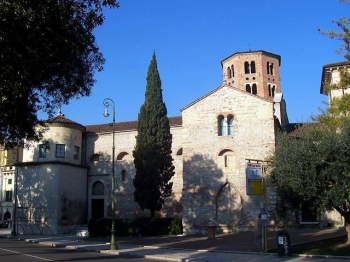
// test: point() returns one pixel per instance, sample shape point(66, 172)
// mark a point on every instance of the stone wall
point(214, 166)
point(101, 144)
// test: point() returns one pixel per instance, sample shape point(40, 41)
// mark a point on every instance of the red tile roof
point(61, 119)
point(127, 126)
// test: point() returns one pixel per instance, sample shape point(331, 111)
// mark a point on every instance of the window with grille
point(60, 151)
point(8, 196)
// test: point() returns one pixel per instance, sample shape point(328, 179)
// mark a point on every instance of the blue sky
point(191, 38)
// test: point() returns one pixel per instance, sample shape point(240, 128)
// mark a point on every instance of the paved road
point(227, 247)
point(14, 250)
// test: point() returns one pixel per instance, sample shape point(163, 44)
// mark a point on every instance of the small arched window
point(252, 67)
point(230, 125)
point(179, 152)
point(246, 68)
point(98, 188)
point(222, 126)
point(254, 89)
point(95, 158)
point(232, 71)
point(247, 88)
point(122, 155)
point(228, 72)
point(269, 68)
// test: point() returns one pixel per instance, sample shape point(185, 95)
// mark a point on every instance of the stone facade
point(210, 181)
point(212, 141)
point(214, 165)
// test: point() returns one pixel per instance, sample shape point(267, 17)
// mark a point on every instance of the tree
point(338, 107)
point(48, 56)
point(313, 167)
point(152, 154)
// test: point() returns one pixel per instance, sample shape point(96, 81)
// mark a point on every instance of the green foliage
point(152, 154)
point(313, 167)
point(344, 81)
point(337, 112)
point(135, 227)
point(338, 108)
point(48, 56)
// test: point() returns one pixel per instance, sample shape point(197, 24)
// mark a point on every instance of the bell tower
point(256, 72)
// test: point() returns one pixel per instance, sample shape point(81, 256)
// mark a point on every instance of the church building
point(65, 179)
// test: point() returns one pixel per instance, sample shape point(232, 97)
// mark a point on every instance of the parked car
point(5, 223)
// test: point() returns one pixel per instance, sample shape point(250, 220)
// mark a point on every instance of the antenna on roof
point(249, 48)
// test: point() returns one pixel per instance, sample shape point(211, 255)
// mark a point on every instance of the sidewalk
point(243, 246)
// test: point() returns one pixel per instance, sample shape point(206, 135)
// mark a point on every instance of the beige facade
point(8, 161)
point(52, 180)
point(331, 75)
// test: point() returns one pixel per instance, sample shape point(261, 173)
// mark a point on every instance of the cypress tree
point(152, 153)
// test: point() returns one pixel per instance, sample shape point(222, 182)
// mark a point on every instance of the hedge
point(141, 226)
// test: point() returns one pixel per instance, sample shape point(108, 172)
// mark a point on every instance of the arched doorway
point(97, 201)
point(228, 206)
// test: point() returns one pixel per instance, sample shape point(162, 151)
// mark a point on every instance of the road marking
point(25, 254)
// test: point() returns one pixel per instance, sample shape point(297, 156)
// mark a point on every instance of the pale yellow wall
point(56, 135)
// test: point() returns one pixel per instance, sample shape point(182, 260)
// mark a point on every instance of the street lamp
point(14, 220)
point(114, 245)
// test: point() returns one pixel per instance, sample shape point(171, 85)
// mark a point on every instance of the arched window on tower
point(271, 89)
point(247, 88)
point(228, 72)
point(246, 68)
point(254, 89)
point(268, 67)
point(232, 71)
point(222, 126)
point(252, 67)
point(230, 122)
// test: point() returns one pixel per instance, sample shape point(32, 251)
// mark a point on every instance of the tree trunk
point(347, 226)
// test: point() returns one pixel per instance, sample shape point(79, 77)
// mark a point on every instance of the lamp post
point(14, 220)
point(106, 103)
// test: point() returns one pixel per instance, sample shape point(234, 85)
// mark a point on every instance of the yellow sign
point(256, 187)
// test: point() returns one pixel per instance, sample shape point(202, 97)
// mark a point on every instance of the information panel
point(254, 178)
